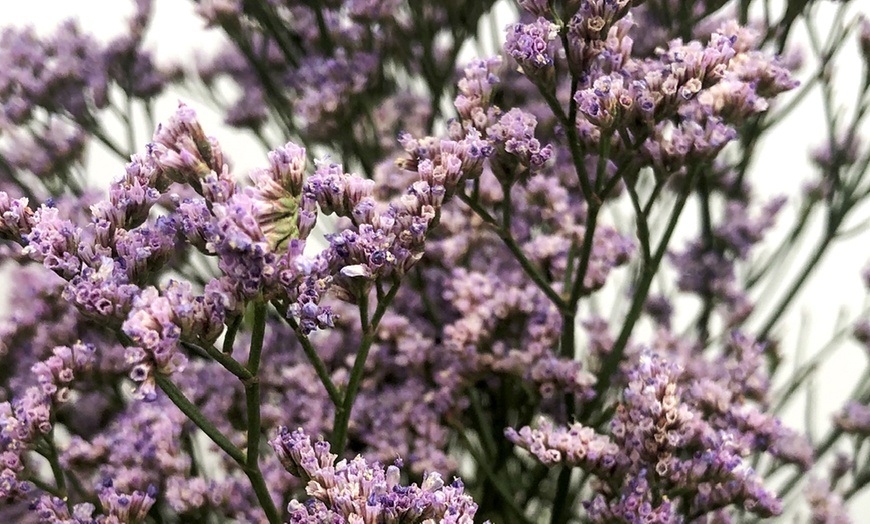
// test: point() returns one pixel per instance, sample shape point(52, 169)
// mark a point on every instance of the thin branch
point(196, 416)
point(342, 413)
point(315, 360)
point(530, 269)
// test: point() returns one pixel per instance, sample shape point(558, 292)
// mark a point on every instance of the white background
point(177, 35)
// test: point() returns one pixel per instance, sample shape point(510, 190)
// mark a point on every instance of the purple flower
point(326, 84)
point(185, 154)
point(55, 373)
point(350, 490)
point(122, 507)
point(529, 45)
point(49, 152)
point(538, 8)
point(132, 195)
point(575, 445)
point(74, 80)
point(15, 217)
point(200, 317)
point(133, 67)
point(146, 248)
point(54, 241)
point(595, 17)
point(29, 417)
point(152, 326)
point(515, 134)
point(476, 90)
point(854, 418)
point(826, 505)
point(102, 291)
point(244, 251)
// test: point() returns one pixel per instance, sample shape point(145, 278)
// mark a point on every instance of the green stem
point(196, 416)
point(648, 272)
point(517, 251)
point(490, 447)
point(258, 483)
point(796, 286)
point(106, 141)
point(507, 495)
point(224, 359)
point(230, 336)
point(252, 403)
point(266, 15)
point(860, 482)
point(342, 412)
point(573, 145)
point(274, 95)
point(702, 324)
point(57, 472)
point(862, 395)
point(593, 209)
point(46, 487)
point(323, 28)
point(585, 253)
point(128, 122)
point(783, 396)
point(568, 337)
point(257, 335)
point(316, 361)
point(784, 247)
point(657, 189)
point(643, 235)
point(430, 310)
point(560, 509)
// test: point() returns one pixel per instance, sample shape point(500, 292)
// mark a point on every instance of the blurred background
point(832, 299)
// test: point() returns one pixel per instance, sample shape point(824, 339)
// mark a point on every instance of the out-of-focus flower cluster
point(438, 296)
point(55, 88)
point(683, 430)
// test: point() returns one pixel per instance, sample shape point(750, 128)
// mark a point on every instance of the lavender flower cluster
point(436, 300)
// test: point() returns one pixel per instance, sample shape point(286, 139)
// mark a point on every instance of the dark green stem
point(517, 251)
point(643, 235)
point(648, 272)
point(585, 253)
point(196, 416)
point(325, 37)
point(230, 336)
point(487, 439)
point(860, 482)
point(592, 211)
point(316, 362)
point(46, 487)
point(796, 286)
point(252, 403)
point(504, 493)
point(342, 413)
point(57, 472)
point(560, 506)
point(703, 321)
point(106, 141)
point(225, 360)
point(573, 145)
point(258, 483)
point(257, 335)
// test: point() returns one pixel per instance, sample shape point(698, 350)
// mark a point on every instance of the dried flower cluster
point(435, 299)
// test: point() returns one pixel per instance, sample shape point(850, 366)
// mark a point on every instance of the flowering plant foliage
point(415, 276)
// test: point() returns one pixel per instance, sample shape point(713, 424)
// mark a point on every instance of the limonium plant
point(457, 289)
